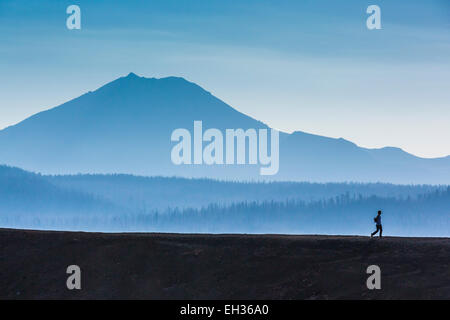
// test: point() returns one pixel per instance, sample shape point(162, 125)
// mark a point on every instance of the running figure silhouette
point(377, 220)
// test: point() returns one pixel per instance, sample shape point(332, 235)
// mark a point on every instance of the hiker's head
point(379, 212)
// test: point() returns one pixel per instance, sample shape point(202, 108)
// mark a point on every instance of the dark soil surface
point(182, 266)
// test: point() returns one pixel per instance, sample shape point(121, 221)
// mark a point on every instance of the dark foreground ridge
point(182, 266)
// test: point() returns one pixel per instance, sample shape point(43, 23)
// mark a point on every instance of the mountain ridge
point(125, 125)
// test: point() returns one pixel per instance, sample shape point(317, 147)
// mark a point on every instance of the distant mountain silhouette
point(125, 127)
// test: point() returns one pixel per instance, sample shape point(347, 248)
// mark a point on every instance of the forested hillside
point(132, 203)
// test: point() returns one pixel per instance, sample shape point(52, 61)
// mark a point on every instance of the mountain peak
point(132, 75)
point(169, 79)
point(127, 124)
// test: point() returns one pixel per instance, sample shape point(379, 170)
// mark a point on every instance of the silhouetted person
point(377, 220)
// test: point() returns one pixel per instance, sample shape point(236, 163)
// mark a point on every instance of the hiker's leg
point(373, 233)
point(381, 230)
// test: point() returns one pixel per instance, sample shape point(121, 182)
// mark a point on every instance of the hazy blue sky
point(296, 65)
